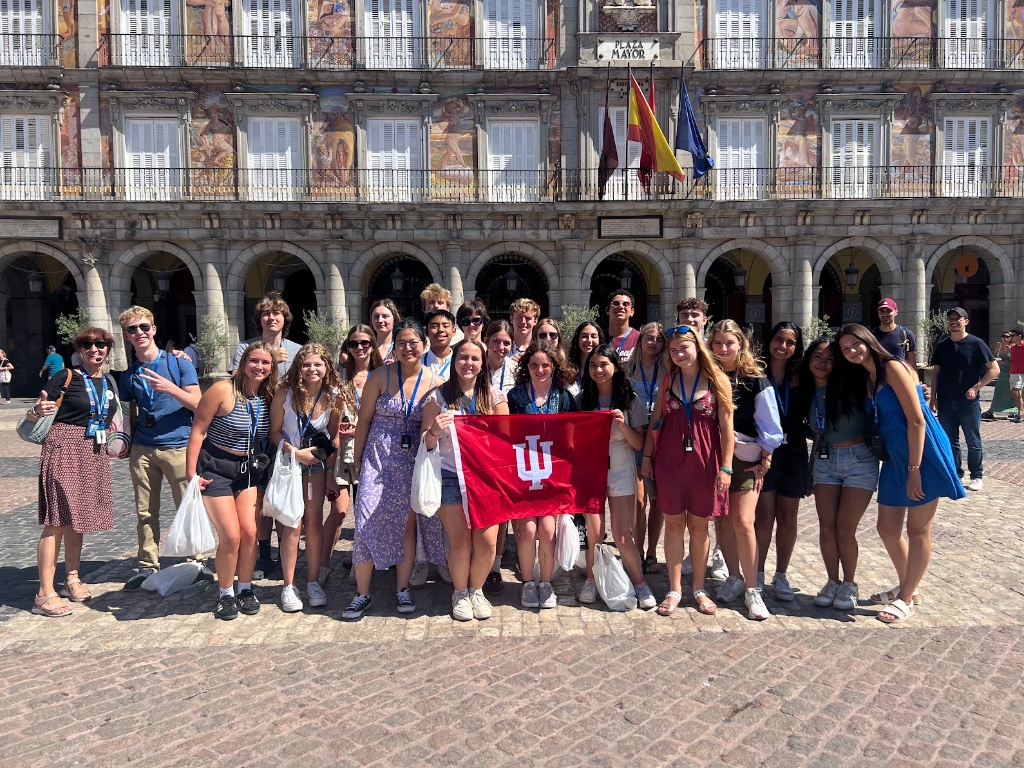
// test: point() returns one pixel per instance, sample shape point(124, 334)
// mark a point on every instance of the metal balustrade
point(461, 185)
point(23, 50)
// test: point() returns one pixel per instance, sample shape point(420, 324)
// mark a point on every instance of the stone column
point(570, 267)
point(913, 298)
point(685, 262)
point(211, 301)
point(802, 294)
point(334, 290)
point(452, 269)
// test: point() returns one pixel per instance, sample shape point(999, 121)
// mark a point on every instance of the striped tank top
point(233, 431)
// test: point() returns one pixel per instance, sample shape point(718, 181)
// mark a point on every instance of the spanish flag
point(643, 127)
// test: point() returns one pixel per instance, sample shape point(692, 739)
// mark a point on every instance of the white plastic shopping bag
point(567, 542)
point(173, 579)
point(283, 499)
point(426, 481)
point(613, 585)
point(191, 533)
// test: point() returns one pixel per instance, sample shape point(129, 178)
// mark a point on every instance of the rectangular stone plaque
point(30, 229)
point(627, 50)
point(614, 227)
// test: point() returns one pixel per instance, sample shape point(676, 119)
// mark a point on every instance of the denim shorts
point(649, 487)
point(852, 466)
point(451, 493)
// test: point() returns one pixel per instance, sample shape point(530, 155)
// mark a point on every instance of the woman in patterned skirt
point(75, 495)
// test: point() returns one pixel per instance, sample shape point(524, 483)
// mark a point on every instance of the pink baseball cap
point(888, 304)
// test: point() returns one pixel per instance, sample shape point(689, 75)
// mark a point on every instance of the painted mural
point(103, 56)
point(1015, 24)
point(798, 29)
point(331, 29)
point(912, 27)
point(67, 31)
point(208, 26)
point(452, 152)
point(451, 29)
point(1014, 159)
point(333, 145)
point(799, 141)
point(212, 142)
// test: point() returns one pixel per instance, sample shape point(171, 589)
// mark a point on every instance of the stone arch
point(12, 250)
point(527, 251)
point(241, 264)
point(773, 257)
point(655, 257)
point(126, 263)
point(369, 259)
point(996, 251)
point(889, 260)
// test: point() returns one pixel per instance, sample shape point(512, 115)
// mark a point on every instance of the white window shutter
point(741, 158)
point(393, 30)
point(271, 29)
point(512, 31)
point(395, 157)
point(854, 158)
point(967, 29)
point(853, 34)
point(966, 156)
point(26, 156)
point(739, 25)
point(514, 160)
point(22, 23)
point(275, 145)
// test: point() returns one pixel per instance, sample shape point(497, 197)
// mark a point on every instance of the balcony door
point(26, 157)
point(854, 30)
point(23, 26)
point(740, 167)
point(966, 157)
point(269, 36)
point(145, 33)
point(855, 158)
point(393, 34)
point(739, 29)
point(513, 34)
point(513, 160)
point(275, 152)
point(152, 159)
point(394, 155)
point(968, 25)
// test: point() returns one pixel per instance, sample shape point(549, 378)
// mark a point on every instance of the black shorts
point(788, 474)
point(224, 471)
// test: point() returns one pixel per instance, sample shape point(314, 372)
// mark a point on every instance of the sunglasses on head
point(99, 344)
point(131, 330)
point(468, 321)
point(679, 329)
point(545, 336)
point(359, 344)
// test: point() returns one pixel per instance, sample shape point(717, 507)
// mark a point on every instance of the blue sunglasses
point(680, 329)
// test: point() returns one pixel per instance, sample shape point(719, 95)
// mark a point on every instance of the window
point(269, 34)
point(275, 149)
point(23, 33)
point(854, 158)
point(512, 34)
point(513, 160)
point(393, 29)
point(146, 29)
point(152, 159)
point(854, 45)
point(395, 160)
point(624, 183)
point(26, 157)
point(967, 30)
point(739, 168)
point(966, 156)
point(739, 25)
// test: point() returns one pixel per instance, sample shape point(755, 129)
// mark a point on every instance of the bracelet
point(913, 467)
point(648, 455)
point(727, 470)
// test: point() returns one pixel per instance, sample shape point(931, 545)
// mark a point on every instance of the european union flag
point(688, 138)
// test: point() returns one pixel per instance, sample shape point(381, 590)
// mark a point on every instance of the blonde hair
point(708, 366)
point(293, 379)
point(747, 366)
point(526, 307)
point(434, 291)
point(135, 311)
point(634, 360)
point(268, 385)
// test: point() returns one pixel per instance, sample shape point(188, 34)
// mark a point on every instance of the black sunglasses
point(359, 344)
point(468, 321)
point(544, 335)
point(132, 329)
point(87, 345)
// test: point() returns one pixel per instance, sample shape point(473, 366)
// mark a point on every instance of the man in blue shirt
point(52, 364)
point(165, 391)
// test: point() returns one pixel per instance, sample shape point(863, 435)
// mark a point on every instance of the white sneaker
point(644, 597)
point(846, 597)
point(588, 594)
point(976, 484)
point(828, 593)
point(719, 570)
point(687, 566)
point(324, 574)
point(481, 605)
point(418, 578)
point(462, 607)
point(783, 591)
point(731, 590)
point(444, 573)
point(315, 594)
point(546, 595)
point(291, 602)
point(760, 580)
point(529, 597)
point(756, 609)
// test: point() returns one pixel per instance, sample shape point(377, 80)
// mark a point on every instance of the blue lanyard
point(688, 404)
point(783, 403)
point(146, 386)
point(819, 414)
point(622, 341)
point(407, 406)
point(309, 419)
point(96, 413)
point(533, 400)
point(358, 397)
point(873, 399)
point(446, 366)
point(649, 390)
point(390, 350)
point(254, 419)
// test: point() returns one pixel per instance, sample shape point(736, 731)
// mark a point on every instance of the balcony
point(861, 53)
point(327, 53)
point(18, 50)
point(483, 186)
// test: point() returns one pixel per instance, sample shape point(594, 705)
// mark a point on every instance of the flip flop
point(667, 607)
point(898, 612)
point(651, 565)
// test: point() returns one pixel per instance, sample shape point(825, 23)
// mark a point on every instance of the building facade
point(191, 154)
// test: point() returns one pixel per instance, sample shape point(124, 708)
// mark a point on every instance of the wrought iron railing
point(464, 185)
point(21, 50)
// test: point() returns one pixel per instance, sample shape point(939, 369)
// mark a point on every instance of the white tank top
point(290, 427)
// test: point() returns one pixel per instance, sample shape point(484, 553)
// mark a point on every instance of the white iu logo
point(539, 461)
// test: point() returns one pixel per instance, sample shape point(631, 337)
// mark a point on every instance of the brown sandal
point(74, 590)
point(42, 601)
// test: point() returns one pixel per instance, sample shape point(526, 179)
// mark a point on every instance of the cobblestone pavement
point(132, 677)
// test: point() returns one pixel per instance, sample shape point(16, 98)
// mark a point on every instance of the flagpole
point(607, 94)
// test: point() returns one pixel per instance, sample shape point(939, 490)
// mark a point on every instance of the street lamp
point(739, 278)
point(277, 279)
point(852, 274)
point(35, 283)
point(626, 278)
point(512, 280)
point(397, 281)
point(163, 285)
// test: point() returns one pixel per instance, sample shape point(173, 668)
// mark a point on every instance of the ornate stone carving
point(393, 103)
point(627, 14)
point(567, 221)
point(177, 102)
point(33, 102)
point(829, 104)
point(92, 249)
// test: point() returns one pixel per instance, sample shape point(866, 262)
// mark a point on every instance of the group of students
point(703, 431)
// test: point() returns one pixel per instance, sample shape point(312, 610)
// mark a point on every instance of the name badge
point(407, 441)
point(688, 444)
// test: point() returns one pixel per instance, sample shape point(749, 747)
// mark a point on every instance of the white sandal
point(888, 596)
point(898, 610)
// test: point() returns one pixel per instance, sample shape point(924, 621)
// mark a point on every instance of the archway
point(849, 288)
point(509, 277)
point(164, 284)
point(400, 278)
point(626, 271)
point(738, 286)
point(963, 278)
point(292, 278)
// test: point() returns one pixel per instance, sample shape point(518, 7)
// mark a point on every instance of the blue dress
point(938, 473)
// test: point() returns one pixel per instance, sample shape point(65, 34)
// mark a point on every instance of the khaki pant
point(149, 466)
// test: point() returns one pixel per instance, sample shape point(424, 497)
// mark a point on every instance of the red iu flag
point(532, 465)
